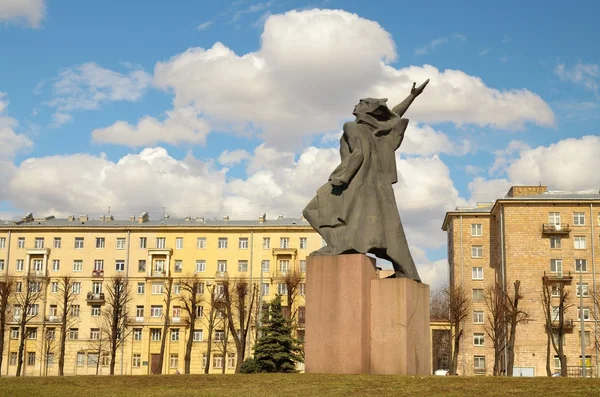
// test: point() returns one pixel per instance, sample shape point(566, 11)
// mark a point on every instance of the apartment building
point(147, 253)
point(544, 239)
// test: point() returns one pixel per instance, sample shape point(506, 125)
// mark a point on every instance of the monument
point(355, 322)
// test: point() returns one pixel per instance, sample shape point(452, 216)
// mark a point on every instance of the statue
point(356, 211)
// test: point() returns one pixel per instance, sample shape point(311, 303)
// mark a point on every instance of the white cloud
point(181, 125)
point(473, 169)
point(87, 86)
point(229, 158)
point(483, 190)
point(250, 10)
point(23, 12)
point(585, 74)
point(59, 119)
point(295, 86)
point(505, 156)
point(425, 141)
point(431, 46)
point(204, 25)
point(11, 143)
point(460, 37)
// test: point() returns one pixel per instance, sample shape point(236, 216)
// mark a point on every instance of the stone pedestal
point(358, 324)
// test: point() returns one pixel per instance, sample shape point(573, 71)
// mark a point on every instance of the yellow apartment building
point(544, 239)
point(147, 253)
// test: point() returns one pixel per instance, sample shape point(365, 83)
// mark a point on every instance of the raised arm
point(402, 107)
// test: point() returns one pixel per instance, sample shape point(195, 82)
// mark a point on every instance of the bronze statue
point(356, 211)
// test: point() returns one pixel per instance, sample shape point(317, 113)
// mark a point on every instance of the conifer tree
point(276, 350)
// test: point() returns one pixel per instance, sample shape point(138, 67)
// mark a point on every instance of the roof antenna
point(164, 212)
point(109, 210)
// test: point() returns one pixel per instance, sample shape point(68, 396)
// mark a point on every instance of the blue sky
point(214, 108)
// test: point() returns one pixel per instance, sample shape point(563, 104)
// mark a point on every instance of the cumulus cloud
point(233, 157)
point(431, 46)
point(59, 119)
point(304, 81)
point(425, 141)
point(585, 74)
point(181, 125)
point(11, 142)
point(204, 25)
point(87, 86)
point(23, 12)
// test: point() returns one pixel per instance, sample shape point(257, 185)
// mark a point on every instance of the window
point(477, 251)
point(53, 310)
point(174, 360)
point(78, 243)
point(1, 264)
point(222, 266)
point(30, 358)
point(581, 265)
point(136, 361)
point(217, 361)
point(139, 312)
point(284, 242)
point(2, 242)
point(99, 265)
point(284, 266)
point(200, 266)
point(73, 333)
point(141, 288)
point(176, 312)
point(76, 287)
point(97, 287)
point(204, 359)
point(582, 288)
point(14, 333)
point(156, 311)
point(137, 334)
point(265, 289)
point(100, 242)
point(242, 266)
point(38, 265)
point(57, 242)
point(282, 289)
point(179, 243)
point(222, 242)
point(95, 310)
point(176, 288)
point(478, 339)
point(143, 242)
point(178, 268)
point(142, 265)
point(93, 359)
point(579, 242)
point(55, 265)
point(34, 286)
point(21, 242)
point(50, 359)
point(586, 313)
point(155, 334)
point(80, 359)
point(120, 243)
point(219, 335)
point(555, 242)
point(159, 266)
point(477, 295)
point(19, 265)
point(265, 265)
point(479, 364)
point(39, 242)
point(231, 360)
point(302, 289)
point(199, 311)
point(75, 310)
point(554, 218)
point(555, 291)
point(120, 266)
point(243, 243)
point(478, 317)
point(302, 266)
point(556, 266)
point(578, 218)
point(158, 288)
point(303, 241)
point(77, 265)
point(175, 335)
point(478, 273)
point(161, 242)
point(477, 230)
point(17, 311)
point(18, 286)
point(13, 358)
point(95, 333)
point(201, 243)
point(33, 309)
point(266, 243)
point(586, 339)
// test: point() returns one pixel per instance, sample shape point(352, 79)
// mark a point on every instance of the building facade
point(147, 254)
point(546, 240)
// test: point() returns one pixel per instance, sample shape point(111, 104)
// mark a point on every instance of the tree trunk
point(63, 340)
point(22, 327)
point(548, 370)
point(187, 360)
point(2, 332)
point(455, 353)
point(166, 323)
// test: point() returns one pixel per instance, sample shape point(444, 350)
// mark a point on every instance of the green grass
point(297, 385)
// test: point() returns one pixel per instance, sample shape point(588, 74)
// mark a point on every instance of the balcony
point(568, 324)
point(556, 278)
point(95, 298)
point(158, 274)
point(284, 251)
point(37, 251)
point(53, 319)
point(97, 273)
point(551, 229)
point(221, 276)
point(139, 319)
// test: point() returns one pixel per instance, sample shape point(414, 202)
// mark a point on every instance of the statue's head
point(375, 107)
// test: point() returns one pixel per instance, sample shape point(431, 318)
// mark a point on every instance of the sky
point(236, 108)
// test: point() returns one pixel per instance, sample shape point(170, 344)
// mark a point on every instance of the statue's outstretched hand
point(416, 91)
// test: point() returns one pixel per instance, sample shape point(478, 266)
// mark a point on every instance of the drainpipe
point(7, 267)
point(251, 290)
point(127, 281)
point(462, 278)
point(502, 261)
point(594, 281)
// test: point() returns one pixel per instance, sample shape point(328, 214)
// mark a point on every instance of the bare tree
point(515, 316)
point(49, 348)
point(222, 344)
point(459, 310)
point(66, 297)
point(115, 317)
point(439, 310)
point(191, 299)
point(439, 304)
point(167, 297)
point(6, 290)
point(209, 318)
point(239, 300)
point(292, 280)
point(27, 303)
point(555, 330)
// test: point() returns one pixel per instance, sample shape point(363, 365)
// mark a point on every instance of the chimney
point(144, 217)
point(520, 191)
point(226, 218)
point(101, 218)
point(28, 217)
point(132, 218)
point(199, 219)
point(71, 218)
point(263, 217)
point(188, 218)
point(83, 218)
point(280, 216)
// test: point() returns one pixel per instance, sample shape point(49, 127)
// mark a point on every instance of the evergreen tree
point(276, 350)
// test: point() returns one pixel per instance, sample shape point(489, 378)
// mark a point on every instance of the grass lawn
point(297, 385)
